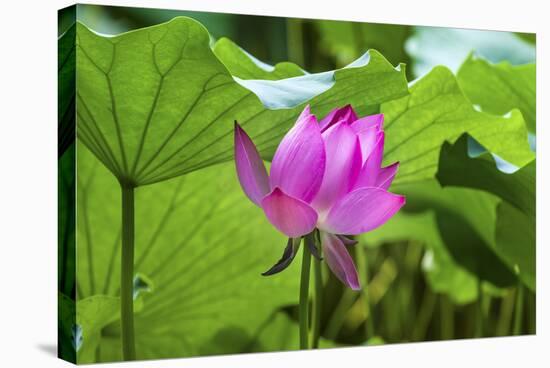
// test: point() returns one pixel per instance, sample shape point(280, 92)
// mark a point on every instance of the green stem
point(519, 309)
point(318, 303)
point(127, 274)
point(304, 297)
point(506, 311)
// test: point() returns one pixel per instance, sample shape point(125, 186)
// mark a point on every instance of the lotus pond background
point(458, 261)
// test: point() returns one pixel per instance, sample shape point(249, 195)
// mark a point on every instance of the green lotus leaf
point(92, 315)
point(243, 65)
point(200, 242)
point(499, 88)
point(436, 111)
point(157, 103)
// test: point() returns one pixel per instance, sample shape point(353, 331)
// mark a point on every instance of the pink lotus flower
point(324, 175)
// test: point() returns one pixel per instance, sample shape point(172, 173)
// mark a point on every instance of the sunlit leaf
point(93, 314)
point(437, 111)
point(193, 243)
point(245, 66)
point(499, 88)
point(156, 103)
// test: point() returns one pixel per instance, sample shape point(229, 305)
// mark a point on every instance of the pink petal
point(299, 162)
point(343, 163)
point(339, 260)
point(375, 158)
point(305, 113)
point(371, 167)
point(250, 167)
point(362, 210)
point(289, 215)
point(368, 130)
point(345, 113)
point(386, 175)
point(367, 122)
point(368, 138)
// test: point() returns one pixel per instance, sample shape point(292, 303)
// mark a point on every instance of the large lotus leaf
point(245, 66)
point(431, 46)
point(499, 88)
point(443, 273)
point(286, 85)
point(66, 64)
point(202, 244)
point(437, 111)
point(156, 103)
point(514, 236)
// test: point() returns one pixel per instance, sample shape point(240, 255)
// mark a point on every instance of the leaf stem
point(518, 315)
point(127, 274)
point(304, 296)
point(506, 311)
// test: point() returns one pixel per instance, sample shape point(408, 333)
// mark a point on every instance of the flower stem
point(318, 303)
point(518, 314)
point(127, 274)
point(304, 297)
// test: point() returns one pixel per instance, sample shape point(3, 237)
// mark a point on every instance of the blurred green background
point(404, 301)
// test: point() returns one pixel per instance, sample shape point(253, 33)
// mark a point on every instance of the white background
point(28, 194)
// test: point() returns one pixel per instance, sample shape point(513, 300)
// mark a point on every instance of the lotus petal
point(362, 210)
point(339, 260)
point(299, 162)
point(291, 216)
point(250, 167)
